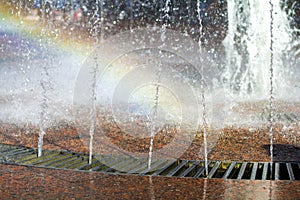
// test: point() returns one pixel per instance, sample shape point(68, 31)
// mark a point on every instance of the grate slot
point(259, 171)
point(242, 171)
point(284, 175)
point(133, 166)
point(25, 153)
point(188, 170)
point(200, 171)
point(290, 171)
point(138, 168)
point(77, 164)
point(277, 171)
point(271, 171)
point(290, 117)
point(235, 171)
point(142, 167)
point(295, 167)
point(265, 171)
point(60, 165)
point(7, 146)
point(177, 168)
point(153, 166)
point(254, 171)
point(57, 159)
point(221, 170)
point(214, 169)
point(88, 166)
point(108, 160)
point(107, 163)
point(34, 158)
point(228, 171)
point(4, 148)
point(98, 167)
point(18, 152)
point(294, 116)
point(247, 172)
point(11, 152)
point(8, 149)
point(168, 167)
point(41, 161)
point(163, 169)
point(160, 167)
point(117, 165)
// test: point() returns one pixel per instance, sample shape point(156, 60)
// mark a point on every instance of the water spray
point(204, 124)
point(156, 99)
point(271, 86)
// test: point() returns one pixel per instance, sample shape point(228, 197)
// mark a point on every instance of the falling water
point(166, 16)
point(247, 44)
point(258, 43)
point(97, 21)
point(44, 107)
point(271, 87)
point(202, 87)
point(26, 58)
point(19, 7)
point(154, 116)
point(93, 110)
point(45, 83)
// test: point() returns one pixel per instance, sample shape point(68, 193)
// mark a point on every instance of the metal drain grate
point(281, 117)
point(169, 168)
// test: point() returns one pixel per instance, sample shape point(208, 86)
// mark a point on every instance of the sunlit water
point(239, 97)
point(248, 50)
point(22, 71)
point(246, 75)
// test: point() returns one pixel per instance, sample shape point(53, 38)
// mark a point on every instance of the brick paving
point(19, 182)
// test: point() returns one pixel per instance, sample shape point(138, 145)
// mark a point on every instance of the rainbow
point(11, 23)
point(125, 71)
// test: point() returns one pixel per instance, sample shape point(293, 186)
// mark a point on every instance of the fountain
point(247, 43)
point(203, 89)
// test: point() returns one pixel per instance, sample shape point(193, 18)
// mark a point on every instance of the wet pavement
point(231, 144)
point(18, 182)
